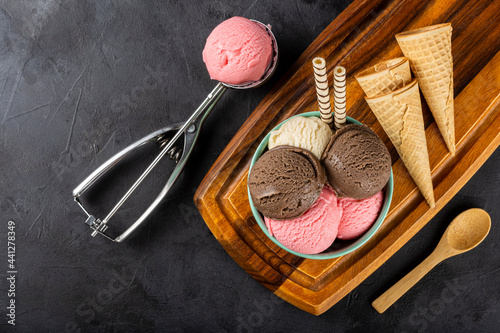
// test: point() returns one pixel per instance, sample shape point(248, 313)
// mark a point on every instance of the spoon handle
point(402, 286)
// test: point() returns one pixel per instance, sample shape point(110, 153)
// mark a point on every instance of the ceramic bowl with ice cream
point(316, 193)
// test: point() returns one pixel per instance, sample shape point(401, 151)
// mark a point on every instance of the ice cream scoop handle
point(203, 110)
point(190, 129)
point(402, 286)
point(206, 106)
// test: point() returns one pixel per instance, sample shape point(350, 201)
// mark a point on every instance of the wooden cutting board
point(358, 38)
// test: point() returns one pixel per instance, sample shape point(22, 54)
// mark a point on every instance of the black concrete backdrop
point(79, 81)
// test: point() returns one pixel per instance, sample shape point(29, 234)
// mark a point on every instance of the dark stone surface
point(79, 81)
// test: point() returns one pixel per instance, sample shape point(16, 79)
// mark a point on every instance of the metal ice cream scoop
point(167, 138)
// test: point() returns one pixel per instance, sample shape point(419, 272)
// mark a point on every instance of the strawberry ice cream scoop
point(238, 51)
point(328, 218)
point(315, 230)
point(358, 215)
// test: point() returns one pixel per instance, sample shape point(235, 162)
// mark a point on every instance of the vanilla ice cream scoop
point(302, 132)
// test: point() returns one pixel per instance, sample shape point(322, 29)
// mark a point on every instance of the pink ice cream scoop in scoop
point(238, 51)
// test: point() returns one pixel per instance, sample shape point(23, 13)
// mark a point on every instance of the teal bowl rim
point(389, 188)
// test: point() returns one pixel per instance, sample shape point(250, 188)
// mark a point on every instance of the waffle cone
point(400, 114)
point(385, 77)
point(429, 51)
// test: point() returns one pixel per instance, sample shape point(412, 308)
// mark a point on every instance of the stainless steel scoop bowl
point(167, 138)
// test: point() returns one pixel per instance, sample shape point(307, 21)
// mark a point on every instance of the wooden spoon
point(464, 233)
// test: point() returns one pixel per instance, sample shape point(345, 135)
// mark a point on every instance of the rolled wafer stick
point(339, 96)
point(322, 91)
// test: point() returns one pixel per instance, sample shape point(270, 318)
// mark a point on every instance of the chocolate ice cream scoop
point(285, 181)
point(356, 161)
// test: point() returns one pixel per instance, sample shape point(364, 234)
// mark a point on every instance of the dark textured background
point(79, 81)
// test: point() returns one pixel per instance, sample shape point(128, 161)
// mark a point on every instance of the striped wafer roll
point(322, 91)
point(339, 96)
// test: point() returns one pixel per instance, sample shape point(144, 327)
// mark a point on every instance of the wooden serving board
point(360, 37)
